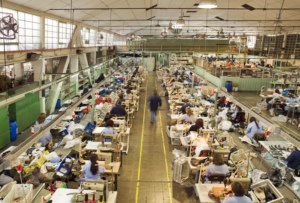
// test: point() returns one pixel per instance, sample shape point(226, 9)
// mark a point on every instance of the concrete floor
point(146, 174)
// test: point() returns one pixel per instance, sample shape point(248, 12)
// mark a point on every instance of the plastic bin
point(58, 104)
point(63, 133)
point(228, 86)
point(63, 168)
point(13, 125)
point(89, 128)
point(272, 188)
point(22, 192)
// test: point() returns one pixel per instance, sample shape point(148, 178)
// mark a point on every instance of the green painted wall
point(27, 110)
point(4, 126)
point(243, 84)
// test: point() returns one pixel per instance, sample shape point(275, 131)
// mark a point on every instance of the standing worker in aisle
point(154, 102)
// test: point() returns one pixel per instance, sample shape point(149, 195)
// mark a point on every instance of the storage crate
point(272, 188)
point(89, 128)
point(63, 168)
point(63, 133)
point(20, 193)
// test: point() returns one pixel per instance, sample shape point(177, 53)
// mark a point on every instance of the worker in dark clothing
point(118, 110)
point(154, 102)
point(183, 107)
point(293, 161)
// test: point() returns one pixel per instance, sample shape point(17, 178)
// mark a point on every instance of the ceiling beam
point(167, 8)
point(229, 26)
point(129, 20)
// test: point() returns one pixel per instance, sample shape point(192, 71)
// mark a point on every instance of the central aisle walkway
point(146, 174)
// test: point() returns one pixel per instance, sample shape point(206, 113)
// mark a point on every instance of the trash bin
point(13, 130)
point(228, 86)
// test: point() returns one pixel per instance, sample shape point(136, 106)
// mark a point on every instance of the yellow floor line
point(141, 148)
point(166, 162)
point(165, 155)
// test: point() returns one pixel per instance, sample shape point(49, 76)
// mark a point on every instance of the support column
point(84, 64)
point(39, 67)
point(55, 89)
point(18, 72)
point(73, 69)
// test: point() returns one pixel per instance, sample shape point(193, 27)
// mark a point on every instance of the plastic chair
point(216, 177)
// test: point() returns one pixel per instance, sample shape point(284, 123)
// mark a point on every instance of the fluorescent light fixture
point(75, 75)
point(208, 4)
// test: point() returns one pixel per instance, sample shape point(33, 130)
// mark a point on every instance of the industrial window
point(29, 31)
point(85, 33)
point(101, 39)
point(251, 41)
point(51, 34)
point(65, 31)
point(110, 39)
point(93, 37)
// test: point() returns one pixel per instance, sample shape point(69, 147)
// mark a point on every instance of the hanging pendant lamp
point(180, 21)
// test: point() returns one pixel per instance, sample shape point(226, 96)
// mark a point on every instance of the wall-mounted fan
point(8, 27)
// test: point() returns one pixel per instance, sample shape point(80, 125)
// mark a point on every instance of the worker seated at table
point(252, 128)
point(189, 116)
point(183, 107)
point(198, 125)
point(109, 128)
point(121, 98)
point(40, 123)
point(293, 160)
point(5, 179)
point(91, 170)
point(46, 139)
point(272, 101)
point(239, 194)
point(218, 167)
point(290, 100)
point(118, 110)
point(235, 109)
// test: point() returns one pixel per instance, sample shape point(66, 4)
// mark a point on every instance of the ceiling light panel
point(248, 7)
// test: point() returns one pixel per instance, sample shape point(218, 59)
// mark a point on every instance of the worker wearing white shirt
point(189, 116)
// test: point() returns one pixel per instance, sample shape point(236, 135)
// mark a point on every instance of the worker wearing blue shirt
point(293, 161)
point(118, 110)
point(253, 128)
point(239, 194)
point(109, 128)
point(91, 170)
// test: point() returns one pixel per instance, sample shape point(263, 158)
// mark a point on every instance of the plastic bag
point(225, 125)
point(280, 118)
point(71, 126)
point(178, 153)
point(72, 143)
point(255, 175)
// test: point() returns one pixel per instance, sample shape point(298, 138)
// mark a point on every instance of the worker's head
point(155, 92)
point(237, 189)
point(277, 91)
point(94, 167)
point(218, 160)
point(189, 111)
point(199, 122)
point(121, 96)
point(252, 119)
point(94, 158)
point(41, 118)
point(109, 123)
point(119, 102)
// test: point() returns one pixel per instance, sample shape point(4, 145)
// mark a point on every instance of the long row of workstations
point(56, 169)
point(222, 119)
